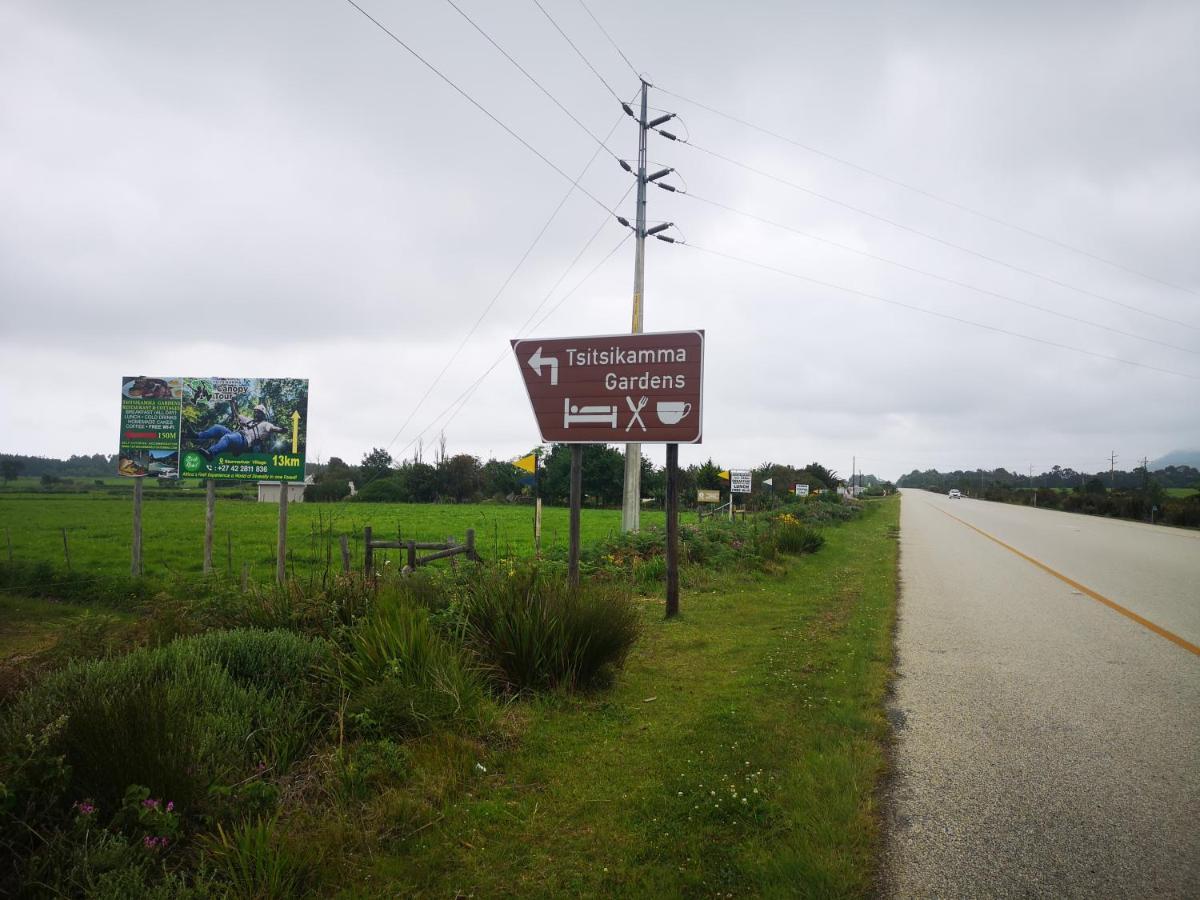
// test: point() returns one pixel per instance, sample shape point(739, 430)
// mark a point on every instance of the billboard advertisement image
point(149, 442)
point(243, 428)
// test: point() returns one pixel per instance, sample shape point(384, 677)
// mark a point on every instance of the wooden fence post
point(471, 554)
point(345, 542)
point(368, 554)
point(8, 534)
point(412, 556)
point(229, 553)
point(66, 549)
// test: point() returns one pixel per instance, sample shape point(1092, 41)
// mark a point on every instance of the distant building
point(268, 491)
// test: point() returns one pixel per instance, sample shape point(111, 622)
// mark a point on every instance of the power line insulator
point(668, 135)
point(626, 166)
point(665, 187)
point(659, 174)
point(661, 120)
point(624, 221)
point(657, 228)
point(628, 109)
point(663, 237)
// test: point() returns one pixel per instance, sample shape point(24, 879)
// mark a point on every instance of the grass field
point(737, 755)
point(1181, 492)
point(99, 528)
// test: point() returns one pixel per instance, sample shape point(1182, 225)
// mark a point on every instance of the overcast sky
point(280, 189)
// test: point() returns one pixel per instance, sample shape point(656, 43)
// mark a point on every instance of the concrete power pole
point(1112, 470)
point(631, 507)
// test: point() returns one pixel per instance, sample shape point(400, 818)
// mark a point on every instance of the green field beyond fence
point(99, 527)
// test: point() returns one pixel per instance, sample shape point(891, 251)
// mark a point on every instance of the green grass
point(1181, 493)
point(768, 683)
point(99, 530)
point(29, 625)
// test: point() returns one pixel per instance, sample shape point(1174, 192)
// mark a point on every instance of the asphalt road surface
point(1047, 744)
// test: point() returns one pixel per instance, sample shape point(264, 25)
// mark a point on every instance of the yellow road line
point(1083, 589)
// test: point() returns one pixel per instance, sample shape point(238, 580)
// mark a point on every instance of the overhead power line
point(524, 143)
point(535, 82)
point(520, 262)
point(461, 400)
point(931, 195)
point(932, 237)
point(931, 312)
point(604, 31)
point(578, 52)
point(928, 274)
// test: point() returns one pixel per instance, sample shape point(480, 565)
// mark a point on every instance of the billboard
point(237, 428)
point(616, 388)
point(149, 441)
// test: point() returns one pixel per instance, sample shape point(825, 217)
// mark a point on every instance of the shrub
point(536, 632)
point(175, 719)
point(402, 677)
point(793, 538)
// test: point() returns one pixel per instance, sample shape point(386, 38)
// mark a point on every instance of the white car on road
point(956, 494)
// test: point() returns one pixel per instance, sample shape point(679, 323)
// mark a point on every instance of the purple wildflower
point(150, 804)
point(85, 807)
point(170, 806)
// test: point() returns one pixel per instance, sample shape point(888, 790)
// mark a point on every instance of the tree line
point(463, 478)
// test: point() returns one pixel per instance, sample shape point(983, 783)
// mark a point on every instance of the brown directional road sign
point(613, 389)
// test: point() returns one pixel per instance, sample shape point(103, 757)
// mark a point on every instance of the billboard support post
point(576, 503)
point(135, 567)
point(281, 550)
point(672, 530)
point(210, 514)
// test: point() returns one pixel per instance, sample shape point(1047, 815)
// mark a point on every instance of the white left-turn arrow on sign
point(537, 361)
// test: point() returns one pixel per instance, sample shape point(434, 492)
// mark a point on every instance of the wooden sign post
point(625, 388)
point(281, 549)
point(576, 505)
point(135, 567)
point(672, 530)
point(210, 514)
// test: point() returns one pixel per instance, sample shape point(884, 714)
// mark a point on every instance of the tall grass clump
point(402, 677)
point(793, 538)
point(176, 719)
point(536, 632)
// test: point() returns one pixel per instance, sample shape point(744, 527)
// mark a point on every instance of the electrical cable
point(528, 146)
point(928, 274)
point(604, 31)
point(536, 83)
point(931, 237)
point(935, 313)
point(578, 52)
point(504, 285)
point(930, 195)
point(462, 398)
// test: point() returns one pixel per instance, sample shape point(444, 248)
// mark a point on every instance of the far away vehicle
point(956, 494)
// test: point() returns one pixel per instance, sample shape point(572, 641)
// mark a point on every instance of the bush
point(535, 632)
point(402, 677)
point(793, 538)
point(175, 719)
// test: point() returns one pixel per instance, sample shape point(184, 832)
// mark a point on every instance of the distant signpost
point(739, 481)
point(802, 490)
point(643, 388)
point(707, 496)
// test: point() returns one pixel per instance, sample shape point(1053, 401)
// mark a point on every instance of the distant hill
point(1177, 458)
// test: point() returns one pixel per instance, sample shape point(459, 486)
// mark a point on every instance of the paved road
point(1047, 745)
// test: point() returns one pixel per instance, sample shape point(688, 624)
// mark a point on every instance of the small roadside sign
point(802, 490)
point(739, 481)
point(705, 496)
point(607, 389)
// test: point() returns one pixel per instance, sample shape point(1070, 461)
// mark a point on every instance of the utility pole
point(1112, 470)
point(631, 507)
point(1033, 486)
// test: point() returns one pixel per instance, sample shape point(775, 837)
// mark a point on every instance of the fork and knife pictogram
point(637, 412)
